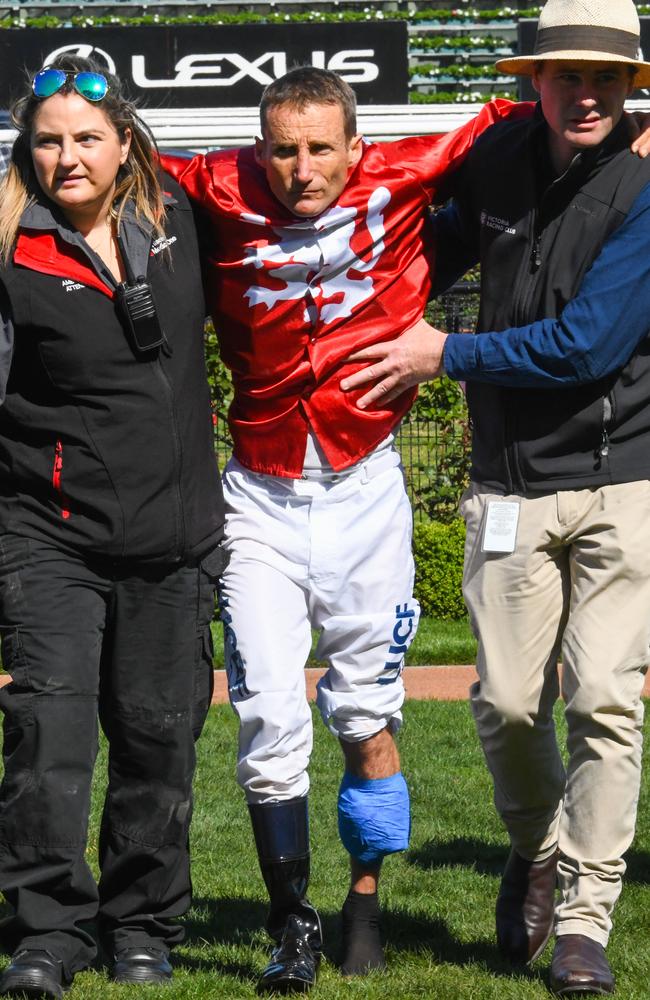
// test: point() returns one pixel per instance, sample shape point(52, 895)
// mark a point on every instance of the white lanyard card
point(500, 530)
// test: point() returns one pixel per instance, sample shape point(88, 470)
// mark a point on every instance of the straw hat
point(585, 30)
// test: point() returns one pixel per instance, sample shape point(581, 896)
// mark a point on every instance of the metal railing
point(436, 451)
point(201, 129)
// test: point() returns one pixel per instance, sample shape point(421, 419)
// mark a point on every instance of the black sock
point(362, 950)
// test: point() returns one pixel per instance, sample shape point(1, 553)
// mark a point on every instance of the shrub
point(438, 472)
point(435, 438)
point(218, 375)
point(88, 19)
point(438, 550)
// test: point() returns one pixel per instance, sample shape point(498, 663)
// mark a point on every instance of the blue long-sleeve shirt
point(596, 333)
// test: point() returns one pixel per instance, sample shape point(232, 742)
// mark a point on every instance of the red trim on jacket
point(47, 253)
point(56, 478)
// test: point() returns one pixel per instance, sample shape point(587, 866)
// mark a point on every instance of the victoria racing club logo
point(225, 69)
point(497, 223)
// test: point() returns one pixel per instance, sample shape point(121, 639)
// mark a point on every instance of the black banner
point(526, 34)
point(218, 65)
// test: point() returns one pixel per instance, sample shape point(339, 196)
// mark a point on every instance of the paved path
point(440, 683)
point(434, 683)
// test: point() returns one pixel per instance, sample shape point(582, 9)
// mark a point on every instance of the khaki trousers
point(578, 583)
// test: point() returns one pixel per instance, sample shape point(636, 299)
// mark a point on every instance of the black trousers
point(84, 639)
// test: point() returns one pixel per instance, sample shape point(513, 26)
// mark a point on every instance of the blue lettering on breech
point(402, 638)
point(234, 663)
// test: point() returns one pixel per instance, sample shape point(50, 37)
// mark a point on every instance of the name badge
point(500, 531)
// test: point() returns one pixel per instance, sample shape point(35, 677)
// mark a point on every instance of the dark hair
point(309, 85)
point(137, 179)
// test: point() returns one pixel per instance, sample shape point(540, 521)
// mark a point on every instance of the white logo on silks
point(314, 259)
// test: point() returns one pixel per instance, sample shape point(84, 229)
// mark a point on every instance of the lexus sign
point(221, 65)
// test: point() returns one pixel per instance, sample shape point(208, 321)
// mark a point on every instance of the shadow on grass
point(638, 867)
point(490, 859)
point(486, 859)
point(408, 932)
point(228, 920)
point(237, 921)
point(412, 933)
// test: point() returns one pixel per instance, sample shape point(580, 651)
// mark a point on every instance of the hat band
point(586, 38)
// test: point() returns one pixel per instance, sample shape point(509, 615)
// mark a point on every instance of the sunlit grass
point(438, 897)
point(436, 642)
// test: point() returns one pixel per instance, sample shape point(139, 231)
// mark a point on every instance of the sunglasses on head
point(92, 86)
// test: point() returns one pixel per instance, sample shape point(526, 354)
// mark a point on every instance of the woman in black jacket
point(110, 522)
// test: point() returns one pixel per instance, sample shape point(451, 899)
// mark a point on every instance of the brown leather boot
point(525, 907)
point(579, 965)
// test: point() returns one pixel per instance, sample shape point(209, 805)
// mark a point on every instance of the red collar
point(47, 253)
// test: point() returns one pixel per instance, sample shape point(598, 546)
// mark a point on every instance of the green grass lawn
point(436, 642)
point(438, 897)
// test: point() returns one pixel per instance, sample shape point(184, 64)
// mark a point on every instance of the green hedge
point(461, 17)
point(458, 97)
point(461, 43)
point(438, 550)
point(464, 71)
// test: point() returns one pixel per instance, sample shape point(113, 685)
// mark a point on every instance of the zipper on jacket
point(522, 291)
point(540, 218)
point(528, 284)
point(522, 297)
point(507, 461)
point(535, 253)
point(515, 481)
point(56, 478)
point(608, 411)
point(526, 288)
point(180, 520)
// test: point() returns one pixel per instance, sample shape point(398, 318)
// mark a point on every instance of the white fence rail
point(209, 128)
point(200, 129)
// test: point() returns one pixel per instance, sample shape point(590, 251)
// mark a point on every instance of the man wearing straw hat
point(558, 513)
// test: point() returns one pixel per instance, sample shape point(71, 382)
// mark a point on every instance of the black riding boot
point(281, 832)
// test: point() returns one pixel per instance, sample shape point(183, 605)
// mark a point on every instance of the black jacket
point(105, 450)
point(536, 237)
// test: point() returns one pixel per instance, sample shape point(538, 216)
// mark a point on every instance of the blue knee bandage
point(374, 817)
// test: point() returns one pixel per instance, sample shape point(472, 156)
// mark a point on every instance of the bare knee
point(375, 757)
